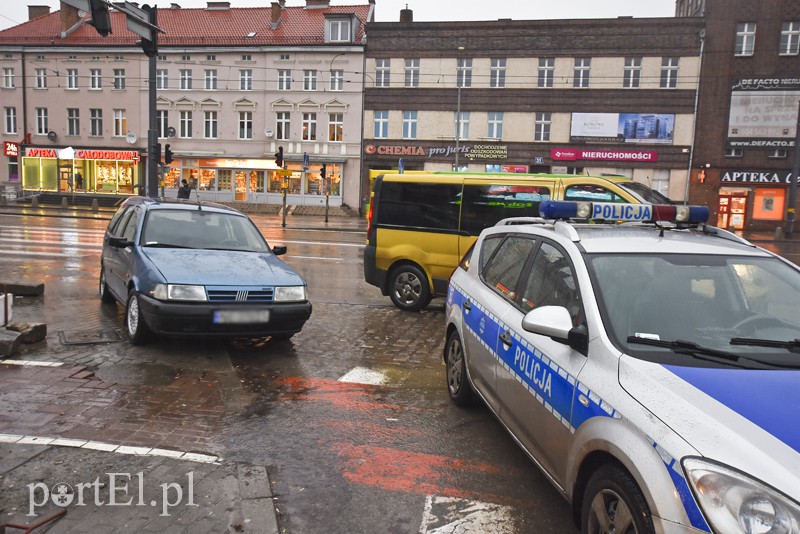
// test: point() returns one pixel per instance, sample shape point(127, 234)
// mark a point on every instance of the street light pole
point(792, 203)
point(459, 83)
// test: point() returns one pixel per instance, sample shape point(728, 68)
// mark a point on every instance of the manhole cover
point(90, 338)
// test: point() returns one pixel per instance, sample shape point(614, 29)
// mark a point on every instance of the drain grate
point(90, 338)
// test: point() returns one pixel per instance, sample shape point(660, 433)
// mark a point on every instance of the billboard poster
point(763, 112)
point(644, 128)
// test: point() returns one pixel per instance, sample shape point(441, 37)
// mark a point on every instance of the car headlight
point(179, 292)
point(290, 294)
point(737, 503)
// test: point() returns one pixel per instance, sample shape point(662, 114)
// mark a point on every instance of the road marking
point(34, 253)
point(61, 244)
point(290, 256)
point(357, 245)
point(29, 363)
point(362, 375)
point(447, 515)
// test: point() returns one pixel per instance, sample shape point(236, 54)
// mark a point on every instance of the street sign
point(401, 166)
point(283, 172)
point(305, 160)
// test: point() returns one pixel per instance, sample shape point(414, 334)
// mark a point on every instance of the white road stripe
point(48, 229)
point(30, 363)
point(35, 253)
point(362, 375)
point(97, 245)
point(448, 515)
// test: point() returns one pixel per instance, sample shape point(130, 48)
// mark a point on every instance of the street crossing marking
point(362, 375)
point(449, 515)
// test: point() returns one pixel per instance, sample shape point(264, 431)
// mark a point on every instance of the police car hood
point(747, 419)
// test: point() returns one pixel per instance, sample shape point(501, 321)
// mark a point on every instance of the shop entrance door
point(732, 209)
point(240, 186)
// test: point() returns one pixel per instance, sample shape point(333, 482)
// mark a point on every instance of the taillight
point(369, 217)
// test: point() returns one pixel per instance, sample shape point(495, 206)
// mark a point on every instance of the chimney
point(69, 17)
point(276, 14)
point(34, 12)
point(317, 3)
point(218, 5)
point(174, 6)
point(406, 15)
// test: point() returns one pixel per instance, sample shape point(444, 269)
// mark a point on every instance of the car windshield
point(202, 229)
point(644, 193)
point(720, 303)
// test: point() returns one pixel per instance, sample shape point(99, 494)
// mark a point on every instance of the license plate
point(241, 316)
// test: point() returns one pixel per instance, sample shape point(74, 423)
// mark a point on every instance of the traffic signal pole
point(152, 132)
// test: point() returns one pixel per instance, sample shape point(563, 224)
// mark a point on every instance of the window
point(119, 78)
point(247, 57)
point(186, 58)
point(186, 124)
point(120, 123)
point(382, 71)
point(339, 30)
point(41, 78)
point(745, 39)
point(284, 80)
point(246, 80)
point(162, 119)
point(186, 78)
point(588, 193)
point(790, 38)
point(633, 72)
point(73, 121)
point(96, 122)
point(285, 57)
point(41, 121)
point(581, 72)
point(309, 126)
point(211, 57)
point(484, 205)
point(778, 153)
point(432, 206)
point(495, 130)
point(309, 80)
point(337, 80)
point(541, 131)
point(245, 125)
point(210, 125)
point(734, 152)
point(8, 78)
point(497, 72)
point(72, 78)
point(381, 130)
point(162, 80)
point(464, 72)
point(162, 57)
point(335, 126)
point(669, 72)
point(211, 79)
point(551, 282)
point(409, 125)
point(11, 120)
point(412, 73)
point(95, 79)
point(462, 125)
point(282, 125)
point(503, 270)
point(547, 67)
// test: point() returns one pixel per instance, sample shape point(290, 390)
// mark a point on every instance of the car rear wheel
point(409, 289)
point(612, 502)
point(458, 385)
point(105, 295)
point(138, 331)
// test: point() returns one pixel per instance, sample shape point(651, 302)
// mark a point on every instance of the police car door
point(536, 377)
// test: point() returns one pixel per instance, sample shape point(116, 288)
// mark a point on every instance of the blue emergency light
point(617, 211)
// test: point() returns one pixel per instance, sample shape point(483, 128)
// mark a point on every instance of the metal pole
point(285, 189)
point(792, 204)
point(694, 118)
point(459, 83)
point(152, 132)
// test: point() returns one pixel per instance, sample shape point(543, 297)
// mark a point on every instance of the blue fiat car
point(184, 268)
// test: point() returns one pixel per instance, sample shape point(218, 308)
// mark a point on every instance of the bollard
point(34, 202)
point(95, 205)
point(778, 233)
point(64, 203)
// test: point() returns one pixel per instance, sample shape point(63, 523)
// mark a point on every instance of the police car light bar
point(616, 211)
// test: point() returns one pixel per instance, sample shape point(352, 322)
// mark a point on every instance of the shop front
point(81, 170)
point(753, 199)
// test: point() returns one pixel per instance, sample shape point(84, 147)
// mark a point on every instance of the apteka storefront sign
point(86, 153)
point(757, 177)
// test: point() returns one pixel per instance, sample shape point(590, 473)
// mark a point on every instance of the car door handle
point(505, 337)
point(467, 305)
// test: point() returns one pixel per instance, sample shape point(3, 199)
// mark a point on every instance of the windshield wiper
point(698, 351)
point(792, 346)
point(165, 245)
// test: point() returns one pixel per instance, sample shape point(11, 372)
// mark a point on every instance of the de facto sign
point(573, 154)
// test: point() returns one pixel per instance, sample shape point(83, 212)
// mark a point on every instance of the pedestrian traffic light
point(101, 20)
point(167, 154)
point(279, 157)
point(322, 172)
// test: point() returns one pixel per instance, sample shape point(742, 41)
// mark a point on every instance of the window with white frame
point(161, 57)
point(186, 58)
point(381, 125)
point(186, 78)
point(119, 78)
point(335, 126)
point(497, 72)
point(41, 78)
point(778, 153)
point(382, 72)
point(211, 57)
point(790, 38)
point(96, 122)
point(581, 71)
point(211, 79)
point(495, 125)
point(120, 123)
point(309, 126)
point(734, 152)
point(95, 79)
point(632, 75)
point(245, 125)
point(669, 72)
point(464, 72)
point(541, 128)
point(462, 125)
point(337, 80)
point(547, 69)
point(8, 78)
point(162, 79)
point(210, 125)
point(246, 80)
point(339, 30)
point(185, 124)
point(73, 121)
point(309, 80)
point(745, 39)
point(162, 120)
point(41, 121)
point(247, 57)
point(10, 122)
point(409, 125)
point(284, 80)
point(282, 125)
point(72, 78)
point(412, 72)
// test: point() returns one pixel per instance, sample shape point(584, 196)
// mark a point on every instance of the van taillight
point(369, 217)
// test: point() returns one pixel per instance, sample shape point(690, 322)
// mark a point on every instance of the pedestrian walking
point(184, 190)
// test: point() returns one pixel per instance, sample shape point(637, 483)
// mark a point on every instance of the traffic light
point(101, 20)
point(167, 154)
point(322, 172)
point(279, 157)
point(157, 152)
point(150, 47)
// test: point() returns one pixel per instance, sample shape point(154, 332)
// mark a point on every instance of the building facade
point(234, 87)
point(612, 96)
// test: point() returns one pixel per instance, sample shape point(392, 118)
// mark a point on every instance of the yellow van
point(421, 224)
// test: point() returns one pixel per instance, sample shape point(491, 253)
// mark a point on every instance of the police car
point(650, 368)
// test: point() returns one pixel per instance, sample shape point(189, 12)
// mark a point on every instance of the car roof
point(180, 204)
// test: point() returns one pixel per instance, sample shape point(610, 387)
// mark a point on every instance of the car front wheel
point(613, 502)
point(458, 385)
point(105, 295)
point(138, 332)
point(408, 288)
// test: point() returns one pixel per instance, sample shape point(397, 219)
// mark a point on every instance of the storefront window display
point(314, 185)
point(225, 179)
point(172, 178)
point(208, 180)
point(43, 171)
point(256, 181)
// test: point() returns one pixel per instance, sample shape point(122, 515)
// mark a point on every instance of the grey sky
point(15, 12)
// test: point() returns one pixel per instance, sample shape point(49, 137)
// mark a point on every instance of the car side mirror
point(119, 242)
point(556, 323)
point(279, 249)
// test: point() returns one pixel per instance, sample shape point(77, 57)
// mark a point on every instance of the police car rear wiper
point(793, 345)
point(698, 351)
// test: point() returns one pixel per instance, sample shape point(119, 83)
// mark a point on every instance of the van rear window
point(425, 206)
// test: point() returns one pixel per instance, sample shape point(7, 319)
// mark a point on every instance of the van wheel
point(409, 289)
point(138, 331)
point(613, 502)
point(458, 385)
